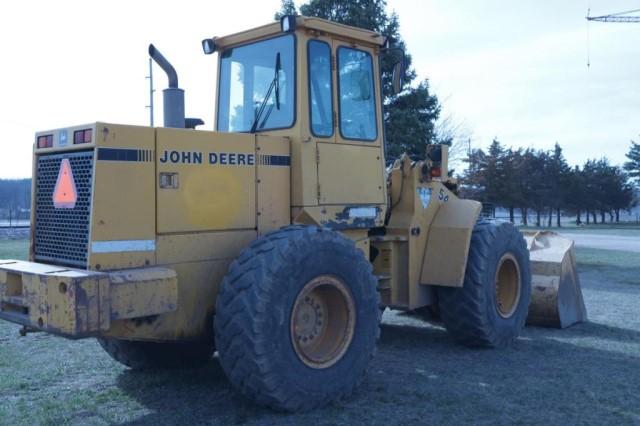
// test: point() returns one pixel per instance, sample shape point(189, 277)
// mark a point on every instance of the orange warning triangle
point(65, 194)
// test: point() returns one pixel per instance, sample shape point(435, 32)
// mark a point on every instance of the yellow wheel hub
point(508, 286)
point(322, 321)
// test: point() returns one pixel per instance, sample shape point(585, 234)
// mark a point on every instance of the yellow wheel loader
point(275, 239)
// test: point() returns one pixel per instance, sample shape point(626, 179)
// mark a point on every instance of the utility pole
point(151, 90)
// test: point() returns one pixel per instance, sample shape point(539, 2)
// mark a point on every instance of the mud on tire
point(257, 305)
point(474, 314)
point(150, 355)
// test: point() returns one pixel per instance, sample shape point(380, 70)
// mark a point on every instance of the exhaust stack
point(172, 96)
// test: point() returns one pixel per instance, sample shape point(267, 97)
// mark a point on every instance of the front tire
point(491, 307)
point(297, 319)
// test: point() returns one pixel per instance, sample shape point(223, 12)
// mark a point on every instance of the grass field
point(623, 230)
point(14, 249)
point(586, 374)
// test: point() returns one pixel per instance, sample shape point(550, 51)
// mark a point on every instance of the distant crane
point(624, 17)
point(616, 17)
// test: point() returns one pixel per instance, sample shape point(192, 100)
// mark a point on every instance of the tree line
point(15, 199)
point(542, 182)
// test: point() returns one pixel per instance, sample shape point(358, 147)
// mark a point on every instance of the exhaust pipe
point(172, 96)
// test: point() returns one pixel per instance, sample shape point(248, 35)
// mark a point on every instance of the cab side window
point(320, 88)
point(356, 95)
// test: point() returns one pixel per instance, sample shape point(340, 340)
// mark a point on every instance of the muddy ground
point(589, 373)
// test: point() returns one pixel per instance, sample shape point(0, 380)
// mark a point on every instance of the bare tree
point(455, 133)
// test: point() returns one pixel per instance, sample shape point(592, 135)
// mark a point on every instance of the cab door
point(350, 167)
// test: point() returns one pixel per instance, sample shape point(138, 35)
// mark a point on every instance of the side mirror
point(208, 46)
point(397, 78)
point(288, 23)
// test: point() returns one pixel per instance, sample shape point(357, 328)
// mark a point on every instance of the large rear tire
point(152, 356)
point(491, 307)
point(297, 319)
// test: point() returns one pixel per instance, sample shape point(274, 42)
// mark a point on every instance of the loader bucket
point(556, 296)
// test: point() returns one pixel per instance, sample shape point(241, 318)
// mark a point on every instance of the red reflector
point(65, 194)
point(78, 136)
point(436, 172)
point(82, 136)
point(45, 141)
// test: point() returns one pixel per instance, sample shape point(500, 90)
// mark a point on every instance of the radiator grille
point(62, 235)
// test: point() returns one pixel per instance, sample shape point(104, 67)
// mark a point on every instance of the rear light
point(82, 136)
point(436, 172)
point(45, 141)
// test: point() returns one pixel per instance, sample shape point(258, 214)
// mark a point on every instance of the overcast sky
point(515, 70)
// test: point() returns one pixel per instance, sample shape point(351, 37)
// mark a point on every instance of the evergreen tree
point(576, 194)
point(287, 7)
point(558, 176)
point(513, 184)
point(409, 116)
point(485, 175)
point(409, 122)
point(633, 165)
point(540, 186)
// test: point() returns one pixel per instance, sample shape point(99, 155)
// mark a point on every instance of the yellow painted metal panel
point(123, 194)
point(70, 302)
point(445, 259)
point(391, 265)
point(350, 174)
point(203, 246)
point(78, 303)
point(198, 284)
point(143, 292)
point(215, 181)
point(273, 183)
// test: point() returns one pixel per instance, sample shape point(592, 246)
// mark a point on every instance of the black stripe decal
point(124, 154)
point(279, 160)
point(275, 160)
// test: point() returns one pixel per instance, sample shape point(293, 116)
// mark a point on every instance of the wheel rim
point(508, 285)
point(322, 321)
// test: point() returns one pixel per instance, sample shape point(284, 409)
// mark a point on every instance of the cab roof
point(322, 26)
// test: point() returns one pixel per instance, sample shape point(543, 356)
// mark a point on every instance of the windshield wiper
point(275, 84)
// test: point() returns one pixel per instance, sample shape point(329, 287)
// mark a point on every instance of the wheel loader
point(277, 239)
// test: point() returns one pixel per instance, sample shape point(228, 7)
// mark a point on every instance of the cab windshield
point(246, 74)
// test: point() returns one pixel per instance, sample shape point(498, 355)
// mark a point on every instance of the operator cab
point(318, 83)
point(260, 72)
